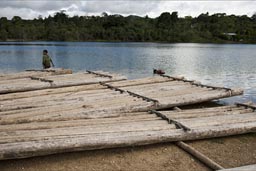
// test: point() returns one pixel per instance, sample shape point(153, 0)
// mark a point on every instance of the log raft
point(46, 79)
point(21, 140)
point(95, 110)
point(35, 72)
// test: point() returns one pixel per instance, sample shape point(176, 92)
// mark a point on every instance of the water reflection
point(222, 65)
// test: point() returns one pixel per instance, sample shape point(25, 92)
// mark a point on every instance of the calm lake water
point(213, 64)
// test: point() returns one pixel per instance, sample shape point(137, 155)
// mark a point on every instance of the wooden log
point(124, 99)
point(206, 114)
point(88, 95)
point(37, 135)
point(78, 122)
point(204, 110)
point(218, 120)
point(27, 85)
point(102, 112)
point(80, 88)
point(63, 98)
point(163, 85)
point(201, 157)
point(99, 141)
point(69, 77)
point(64, 90)
point(51, 70)
point(177, 93)
point(92, 102)
point(140, 81)
point(30, 85)
point(54, 97)
point(195, 98)
point(82, 76)
point(32, 72)
point(109, 102)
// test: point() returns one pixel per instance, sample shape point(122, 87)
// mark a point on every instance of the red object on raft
point(158, 71)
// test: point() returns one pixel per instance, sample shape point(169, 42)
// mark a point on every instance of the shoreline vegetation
point(167, 28)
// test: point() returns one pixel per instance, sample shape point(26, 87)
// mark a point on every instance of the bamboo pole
point(201, 157)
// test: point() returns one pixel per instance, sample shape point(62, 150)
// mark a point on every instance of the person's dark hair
point(154, 71)
point(45, 51)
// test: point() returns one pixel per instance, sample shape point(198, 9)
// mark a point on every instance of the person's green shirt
point(47, 61)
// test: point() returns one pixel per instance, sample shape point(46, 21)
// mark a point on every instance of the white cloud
point(123, 7)
point(32, 9)
point(25, 13)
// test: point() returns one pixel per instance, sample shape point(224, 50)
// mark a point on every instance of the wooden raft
point(45, 79)
point(35, 73)
point(100, 99)
point(95, 110)
point(21, 140)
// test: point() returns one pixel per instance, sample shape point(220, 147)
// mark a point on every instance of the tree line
point(168, 27)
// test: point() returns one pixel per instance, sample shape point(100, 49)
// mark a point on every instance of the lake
point(229, 65)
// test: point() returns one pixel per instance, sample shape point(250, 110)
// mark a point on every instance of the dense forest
point(168, 27)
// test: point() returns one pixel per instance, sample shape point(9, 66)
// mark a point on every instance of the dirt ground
point(228, 152)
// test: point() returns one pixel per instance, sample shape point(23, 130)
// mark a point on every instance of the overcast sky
point(29, 9)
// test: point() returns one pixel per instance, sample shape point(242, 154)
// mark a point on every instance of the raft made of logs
point(43, 137)
point(35, 73)
point(96, 100)
point(42, 115)
point(44, 79)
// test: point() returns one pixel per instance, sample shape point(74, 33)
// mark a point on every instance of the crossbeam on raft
point(112, 87)
point(130, 93)
point(170, 121)
point(143, 97)
point(41, 79)
point(175, 78)
point(99, 74)
point(41, 70)
point(246, 106)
